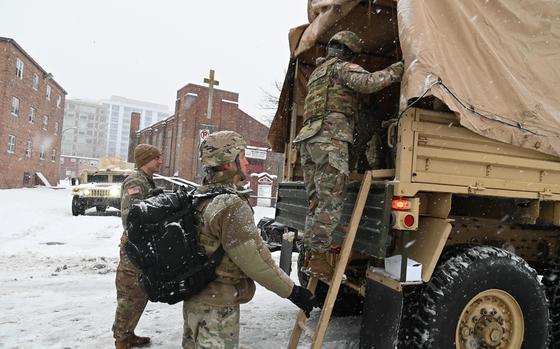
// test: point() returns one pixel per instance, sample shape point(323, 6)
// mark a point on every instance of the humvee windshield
point(98, 179)
point(119, 178)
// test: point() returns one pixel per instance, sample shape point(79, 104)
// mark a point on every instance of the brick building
point(191, 123)
point(72, 166)
point(31, 115)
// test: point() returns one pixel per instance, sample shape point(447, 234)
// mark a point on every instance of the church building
point(199, 111)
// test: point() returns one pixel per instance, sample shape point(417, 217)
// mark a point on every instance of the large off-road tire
point(478, 297)
point(77, 207)
point(551, 282)
point(348, 302)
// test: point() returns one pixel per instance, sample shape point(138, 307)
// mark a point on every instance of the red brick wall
point(133, 142)
point(14, 165)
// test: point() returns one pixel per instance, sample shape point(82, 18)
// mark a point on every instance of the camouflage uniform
point(131, 299)
point(212, 316)
point(330, 107)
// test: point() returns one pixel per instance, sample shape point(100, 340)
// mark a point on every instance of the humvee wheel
point(492, 319)
point(479, 297)
point(77, 207)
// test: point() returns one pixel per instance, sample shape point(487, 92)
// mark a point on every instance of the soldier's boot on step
point(133, 341)
point(319, 266)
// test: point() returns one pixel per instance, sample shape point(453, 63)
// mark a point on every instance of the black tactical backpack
point(162, 242)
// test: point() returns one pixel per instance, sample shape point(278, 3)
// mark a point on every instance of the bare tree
point(269, 102)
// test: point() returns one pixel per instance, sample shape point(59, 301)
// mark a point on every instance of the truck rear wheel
point(480, 297)
point(551, 281)
point(348, 302)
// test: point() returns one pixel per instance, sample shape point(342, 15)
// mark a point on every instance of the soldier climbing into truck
point(329, 112)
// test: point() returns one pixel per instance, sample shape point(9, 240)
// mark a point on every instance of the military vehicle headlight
point(115, 192)
point(87, 192)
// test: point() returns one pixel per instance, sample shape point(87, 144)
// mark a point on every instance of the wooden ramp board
point(318, 335)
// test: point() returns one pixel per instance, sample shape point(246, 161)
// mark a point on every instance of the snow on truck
point(457, 232)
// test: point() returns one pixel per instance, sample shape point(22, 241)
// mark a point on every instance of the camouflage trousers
point(325, 172)
point(210, 327)
point(131, 299)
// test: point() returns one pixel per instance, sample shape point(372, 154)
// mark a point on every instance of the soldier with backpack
point(211, 318)
point(131, 299)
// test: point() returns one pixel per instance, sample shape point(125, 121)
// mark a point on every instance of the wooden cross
point(211, 83)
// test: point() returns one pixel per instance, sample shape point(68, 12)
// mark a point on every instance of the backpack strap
point(215, 258)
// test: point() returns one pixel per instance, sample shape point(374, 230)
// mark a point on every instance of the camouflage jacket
point(135, 188)
point(332, 100)
point(227, 220)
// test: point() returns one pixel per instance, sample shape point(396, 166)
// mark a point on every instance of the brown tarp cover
point(496, 63)
point(498, 60)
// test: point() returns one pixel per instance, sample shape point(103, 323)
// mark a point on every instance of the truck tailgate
point(372, 237)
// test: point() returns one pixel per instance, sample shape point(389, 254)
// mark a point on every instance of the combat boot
point(319, 266)
point(132, 342)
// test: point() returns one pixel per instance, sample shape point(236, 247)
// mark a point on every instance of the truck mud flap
point(286, 252)
point(381, 317)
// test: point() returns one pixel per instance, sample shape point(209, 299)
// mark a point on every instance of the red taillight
point(400, 204)
point(408, 220)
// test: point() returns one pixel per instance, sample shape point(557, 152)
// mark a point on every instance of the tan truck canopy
point(496, 63)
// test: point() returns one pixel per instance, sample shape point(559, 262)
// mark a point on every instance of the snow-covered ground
point(57, 288)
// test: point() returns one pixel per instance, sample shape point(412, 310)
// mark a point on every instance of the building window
point(15, 106)
point(48, 95)
point(35, 82)
point(32, 113)
point(56, 128)
point(58, 101)
point(19, 68)
point(45, 122)
point(42, 153)
point(11, 144)
point(29, 149)
point(53, 155)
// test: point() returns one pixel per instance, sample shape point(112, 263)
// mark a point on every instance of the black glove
point(304, 299)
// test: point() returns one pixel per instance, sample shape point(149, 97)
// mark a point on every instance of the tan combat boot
point(319, 266)
point(132, 342)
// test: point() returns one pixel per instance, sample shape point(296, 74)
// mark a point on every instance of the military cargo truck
point(465, 170)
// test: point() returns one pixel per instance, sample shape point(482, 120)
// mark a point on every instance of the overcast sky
point(147, 50)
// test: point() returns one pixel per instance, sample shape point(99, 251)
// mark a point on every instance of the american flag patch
point(133, 190)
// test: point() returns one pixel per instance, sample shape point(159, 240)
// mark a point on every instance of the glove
point(304, 299)
point(396, 71)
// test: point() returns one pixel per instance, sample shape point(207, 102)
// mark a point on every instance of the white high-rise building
point(118, 121)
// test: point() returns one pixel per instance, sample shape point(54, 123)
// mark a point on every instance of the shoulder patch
point(354, 67)
point(133, 190)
